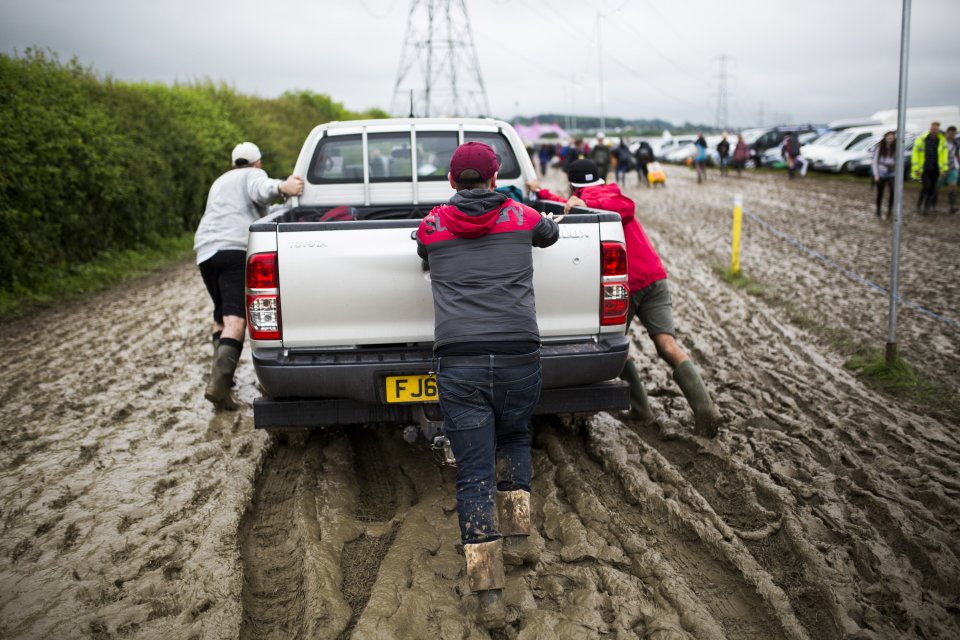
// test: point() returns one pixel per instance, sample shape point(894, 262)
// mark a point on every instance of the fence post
point(737, 221)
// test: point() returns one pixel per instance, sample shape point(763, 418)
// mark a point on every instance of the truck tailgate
point(362, 282)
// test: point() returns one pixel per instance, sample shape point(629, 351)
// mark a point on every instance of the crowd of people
point(934, 162)
point(621, 159)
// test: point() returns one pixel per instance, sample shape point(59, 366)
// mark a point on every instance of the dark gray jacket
point(478, 247)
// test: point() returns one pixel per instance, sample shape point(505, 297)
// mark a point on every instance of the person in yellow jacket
point(930, 159)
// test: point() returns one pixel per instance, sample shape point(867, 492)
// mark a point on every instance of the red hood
point(471, 214)
point(599, 191)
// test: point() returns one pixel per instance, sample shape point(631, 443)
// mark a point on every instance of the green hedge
point(92, 165)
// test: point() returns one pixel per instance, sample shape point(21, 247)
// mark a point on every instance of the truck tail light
point(262, 271)
point(263, 297)
point(614, 292)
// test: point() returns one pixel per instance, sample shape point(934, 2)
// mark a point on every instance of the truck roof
point(426, 122)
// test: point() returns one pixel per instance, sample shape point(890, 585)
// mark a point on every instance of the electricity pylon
point(439, 73)
point(722, 121)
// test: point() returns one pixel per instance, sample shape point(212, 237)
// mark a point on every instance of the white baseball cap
point(246, 151)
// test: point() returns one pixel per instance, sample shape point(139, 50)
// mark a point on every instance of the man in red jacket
point(649, 294)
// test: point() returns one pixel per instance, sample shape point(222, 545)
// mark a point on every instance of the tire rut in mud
point(272, 550)
point(699, 580)
point(757, 518)
point(376, 503)
point(297, 583)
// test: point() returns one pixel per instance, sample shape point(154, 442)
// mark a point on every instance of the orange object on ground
point(655, 174)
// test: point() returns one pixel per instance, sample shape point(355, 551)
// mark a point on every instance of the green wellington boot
point(221, 377)
point(521, 544)
point(485, 578)
point(705, 413)
point(639, 403)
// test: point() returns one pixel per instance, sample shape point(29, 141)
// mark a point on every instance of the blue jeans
point(486, 416)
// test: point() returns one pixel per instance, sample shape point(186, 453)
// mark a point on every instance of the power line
point(633, 31)
point(374, 15)
point(500, 44)
point(640, 76)
point(550, 14)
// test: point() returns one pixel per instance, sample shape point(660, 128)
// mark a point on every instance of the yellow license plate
point(421, 388)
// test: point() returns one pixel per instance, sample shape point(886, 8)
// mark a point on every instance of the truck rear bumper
point(296, 413)
point(360, 374)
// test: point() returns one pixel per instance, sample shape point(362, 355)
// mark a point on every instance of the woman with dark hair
point(884, 169)
point(741, 153)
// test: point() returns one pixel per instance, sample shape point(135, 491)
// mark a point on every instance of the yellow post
point(737, 221)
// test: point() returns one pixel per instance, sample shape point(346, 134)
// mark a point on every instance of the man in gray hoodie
point(487, 347)
point(237, 198)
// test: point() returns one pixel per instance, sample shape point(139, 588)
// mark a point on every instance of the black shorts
point(654, 308)
point(223, 274)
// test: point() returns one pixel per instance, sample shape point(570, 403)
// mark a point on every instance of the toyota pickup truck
point(339, 304)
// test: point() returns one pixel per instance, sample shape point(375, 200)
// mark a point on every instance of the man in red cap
point(649, 295)
point(478, 248)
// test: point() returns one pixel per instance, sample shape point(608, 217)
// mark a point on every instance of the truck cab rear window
point(434, 150)
point(509, 167)
point(389, 157)
point(339, 159)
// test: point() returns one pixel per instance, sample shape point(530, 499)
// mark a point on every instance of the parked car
point(774, 156)
point(773, 137)
point(820, 155)
point(863, 166)
point(838, 160)
point(673, 144)
point(680, 154)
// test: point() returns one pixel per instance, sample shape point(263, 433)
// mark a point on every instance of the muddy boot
point(520, 544)
point(952, 198)
point(221, 377)
point(215, 340)
point(485, 578)
point(705, 413)
point(639, 403)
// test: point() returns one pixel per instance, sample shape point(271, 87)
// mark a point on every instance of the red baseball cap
point(474, 155)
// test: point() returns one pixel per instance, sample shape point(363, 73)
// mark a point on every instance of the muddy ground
point(824, 509)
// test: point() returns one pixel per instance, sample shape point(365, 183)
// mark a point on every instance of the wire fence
point(852, 275)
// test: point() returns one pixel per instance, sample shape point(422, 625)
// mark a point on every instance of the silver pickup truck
point(339, 305)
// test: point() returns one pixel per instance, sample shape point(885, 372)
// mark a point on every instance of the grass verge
point(899, 380)
point(741, 281)
point(108, 270)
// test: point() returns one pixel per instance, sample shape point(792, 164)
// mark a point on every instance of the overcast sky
point(815, 60)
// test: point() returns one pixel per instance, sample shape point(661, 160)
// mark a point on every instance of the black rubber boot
point(221, 377)
point(639, 403)
point(952, 198)
point(705, 413)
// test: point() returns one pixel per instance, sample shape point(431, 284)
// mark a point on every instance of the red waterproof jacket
point(643, 264)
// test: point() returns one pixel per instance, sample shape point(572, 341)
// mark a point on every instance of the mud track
point(130, 509)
